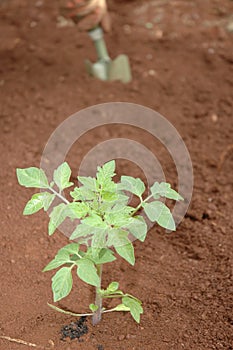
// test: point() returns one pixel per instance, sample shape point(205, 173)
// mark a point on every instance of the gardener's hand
point(87, 13)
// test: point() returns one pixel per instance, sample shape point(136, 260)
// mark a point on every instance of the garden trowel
point(105, 68)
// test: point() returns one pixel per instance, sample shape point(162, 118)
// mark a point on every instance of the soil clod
point(75, 329)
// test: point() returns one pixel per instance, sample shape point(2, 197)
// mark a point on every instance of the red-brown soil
point(182, 67)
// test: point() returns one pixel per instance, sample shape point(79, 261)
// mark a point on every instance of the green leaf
point(88, 182)
point(105, 256)
point(107, 171)
point(127, 252)
point(135, 186)
point(37, 202)
point(159, 212)
point(81, 230)
point(63, 256)
point(137, 226)
point(113, 286)
point(98, 242)
point(47, 199)
point(62, 283)
point(104, 176)
point(75, 194)
point(121, 307)
point(109, 196)
point(94, 221)
point(32, 177)
point(76, 210)
point(119, 239)
point(135, 307)
point(93, 307)
point(72, 248)
point(33, 205)
point(60, 259)
point(62, 175)
point(119, 215)
point(164, 189)
point(87, 272)
point(57, 216)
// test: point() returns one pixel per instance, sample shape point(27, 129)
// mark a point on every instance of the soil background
point(182, 58)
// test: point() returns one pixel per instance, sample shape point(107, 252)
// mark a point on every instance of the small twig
point(19, 341)
point(23, 342)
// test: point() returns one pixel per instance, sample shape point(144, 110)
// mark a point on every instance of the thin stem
point(59, 195)
point(98, 298)
point(140, 204)
point(68, 312)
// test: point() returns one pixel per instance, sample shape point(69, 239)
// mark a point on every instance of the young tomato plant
point(105, 221)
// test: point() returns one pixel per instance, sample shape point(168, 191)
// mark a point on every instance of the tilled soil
point(181, 56)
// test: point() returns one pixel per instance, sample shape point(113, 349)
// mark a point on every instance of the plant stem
point(59, 195)
point(98, 299)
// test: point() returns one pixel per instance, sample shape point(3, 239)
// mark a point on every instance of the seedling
point(105, 223)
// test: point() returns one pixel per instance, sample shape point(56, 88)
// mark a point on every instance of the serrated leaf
point(119, 239)
point(60, 259)
point(76, 194)
point(88, 182)
point(137, 226)
point(164, 189)
point(87, 272)
point(62, 283)
point(113, 286)
point(135, 186)
point(32, 177)
point(135, 307)
point(106, 171)
point(104, 176)
point(159, 212)
point(62, 175)
point(57, 216)
point(76, 210)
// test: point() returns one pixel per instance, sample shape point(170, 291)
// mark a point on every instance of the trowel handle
point(98, 38)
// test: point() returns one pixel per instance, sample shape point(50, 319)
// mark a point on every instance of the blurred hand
point(87, 13)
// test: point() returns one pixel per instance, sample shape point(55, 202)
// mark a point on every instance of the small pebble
point(214, 118)
point(151, 72)
point(159, 34)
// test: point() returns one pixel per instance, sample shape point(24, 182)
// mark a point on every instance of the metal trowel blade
point(119, 69)
point(98, 70)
